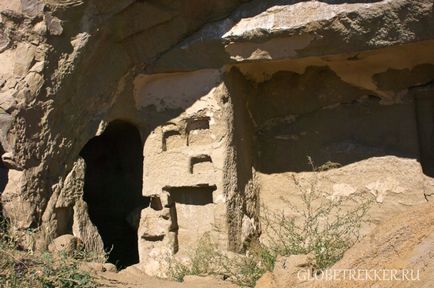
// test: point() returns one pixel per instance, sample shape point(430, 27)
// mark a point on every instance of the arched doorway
point(112, 189)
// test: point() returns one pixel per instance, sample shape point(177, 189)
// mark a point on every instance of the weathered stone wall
point(228, 98)
point(184, 164)
point(67, 73)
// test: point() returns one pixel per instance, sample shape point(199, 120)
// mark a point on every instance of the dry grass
point(26, 269)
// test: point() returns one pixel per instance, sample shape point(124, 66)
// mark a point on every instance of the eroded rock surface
point(144, 125)
point(404, 242)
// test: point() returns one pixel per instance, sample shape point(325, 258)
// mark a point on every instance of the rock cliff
point(139, 126)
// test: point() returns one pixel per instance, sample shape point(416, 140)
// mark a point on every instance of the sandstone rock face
point(405, 242)
point(395, 184)
point(266, 281)
point(140, 126)
point(286, 271)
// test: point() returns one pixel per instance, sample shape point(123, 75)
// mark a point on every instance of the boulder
point(65, 244)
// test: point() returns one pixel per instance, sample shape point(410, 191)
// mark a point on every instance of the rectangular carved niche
point(172, 139)
point(198, 131)
point(64, 219)
point(192, 195)
point(201, 164)
point(193, 212)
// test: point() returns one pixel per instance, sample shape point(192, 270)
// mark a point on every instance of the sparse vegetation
point(199, 263)
point(206, 259)
point(246, 270)
point(322, 227)
point(22, 268)
point(324, 167)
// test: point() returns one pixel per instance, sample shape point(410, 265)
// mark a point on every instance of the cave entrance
point(3, 173)
point(113, 189)
point(3, 182)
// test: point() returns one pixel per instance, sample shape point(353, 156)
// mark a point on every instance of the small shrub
point(322, 228)
point(246, 270)
point(25, 269)
point(326, 166)
point(200, 262)
point(206, 259)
